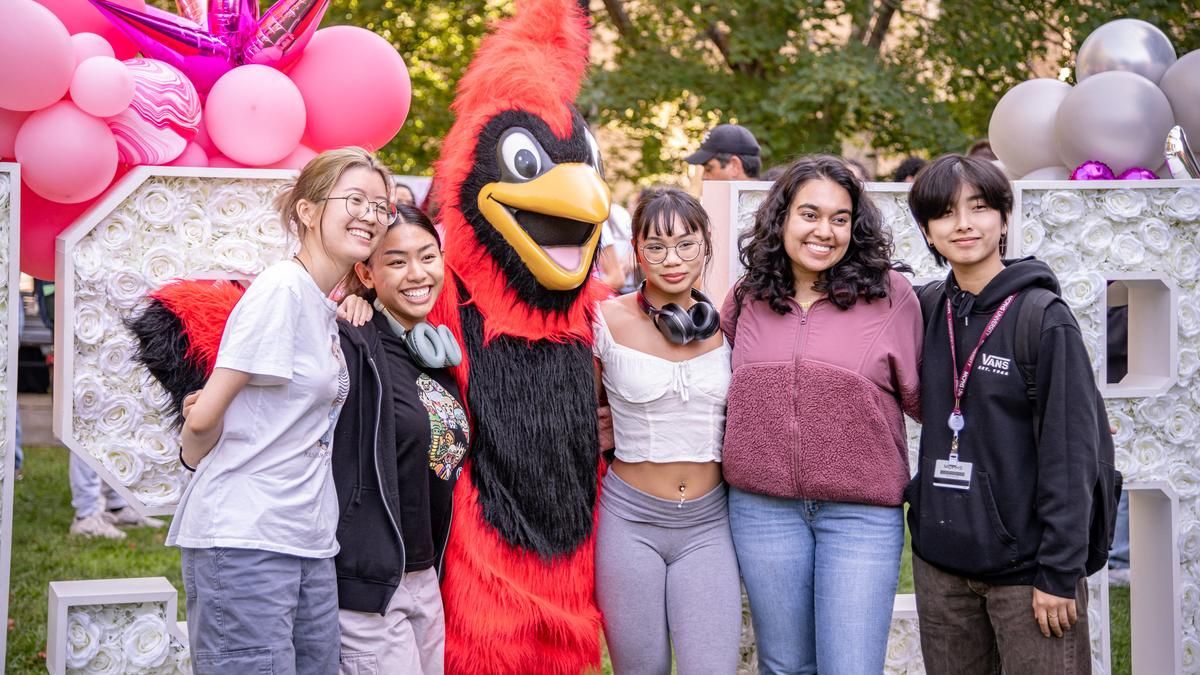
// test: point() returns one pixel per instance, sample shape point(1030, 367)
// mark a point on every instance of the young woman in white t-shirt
point(257, 522)
point(664, 554)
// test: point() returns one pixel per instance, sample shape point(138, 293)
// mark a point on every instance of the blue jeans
point(821, 577)
point(252, 611)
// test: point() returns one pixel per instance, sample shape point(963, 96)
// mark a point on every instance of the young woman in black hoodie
point(398, 447)
point(1003, 497)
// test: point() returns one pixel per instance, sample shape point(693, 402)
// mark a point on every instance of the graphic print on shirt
point(343, 390)
point(997, 365)
point(445, 417)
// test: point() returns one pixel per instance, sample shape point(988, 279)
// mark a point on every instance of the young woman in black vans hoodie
point(397, 450)
point(1000, 509)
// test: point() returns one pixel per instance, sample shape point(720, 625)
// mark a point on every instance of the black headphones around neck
point(430, 347)
point(681, 326)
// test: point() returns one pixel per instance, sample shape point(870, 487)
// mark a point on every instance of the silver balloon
point(1022, 126)
point(1049, 173)
point(1125, 44)
point(1117, 118)
point(1180, 160)
point(1181, 84)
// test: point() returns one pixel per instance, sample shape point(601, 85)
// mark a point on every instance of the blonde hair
point(317, 178)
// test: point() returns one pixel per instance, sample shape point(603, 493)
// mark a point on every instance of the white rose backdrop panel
point(158, 224)
point(1145, 233)
point(10, 305)
point(115, 627)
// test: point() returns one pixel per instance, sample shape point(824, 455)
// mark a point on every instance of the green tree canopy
point(899, 76)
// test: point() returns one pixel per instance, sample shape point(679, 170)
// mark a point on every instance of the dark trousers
point(970, 627)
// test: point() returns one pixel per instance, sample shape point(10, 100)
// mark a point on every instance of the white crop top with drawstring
point(663, 410)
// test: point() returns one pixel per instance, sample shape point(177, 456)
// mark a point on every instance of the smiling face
point(969, 232)
point(671, 258)
point(817, 231)
point(345, 238)
point(407, 273)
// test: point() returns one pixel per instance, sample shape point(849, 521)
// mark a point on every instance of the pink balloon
point(41, 221)
point(255, 115)
point(223, 162)
point(299, 157)
point(340, 66)
point(87, 45)
point(103, 86)
point(203, 140)
point(36, 59)
point(193, 155)
point(162, 118)
point(10, 122)
point(79, 16)
point(66, 155)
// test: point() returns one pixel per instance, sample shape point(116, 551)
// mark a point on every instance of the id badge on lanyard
point(950, 472)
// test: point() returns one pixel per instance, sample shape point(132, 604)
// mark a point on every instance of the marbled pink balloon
point(162, 118)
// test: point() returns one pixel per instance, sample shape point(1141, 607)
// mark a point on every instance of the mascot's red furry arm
point(523, 201)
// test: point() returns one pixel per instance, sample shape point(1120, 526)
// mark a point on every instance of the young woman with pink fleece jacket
point(826, 338)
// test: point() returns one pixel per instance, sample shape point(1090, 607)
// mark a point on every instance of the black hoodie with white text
point(1024, 520)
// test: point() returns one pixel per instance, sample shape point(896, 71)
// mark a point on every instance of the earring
point(1004, 243)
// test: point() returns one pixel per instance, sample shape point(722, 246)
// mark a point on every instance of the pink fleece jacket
point(816, 406)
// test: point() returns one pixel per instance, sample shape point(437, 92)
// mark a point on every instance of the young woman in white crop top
point(664, 555)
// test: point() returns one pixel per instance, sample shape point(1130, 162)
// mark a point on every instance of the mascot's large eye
point(594, 148)
point(521, 156)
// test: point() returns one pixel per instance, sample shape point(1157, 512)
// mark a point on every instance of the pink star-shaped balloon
point(208, 40)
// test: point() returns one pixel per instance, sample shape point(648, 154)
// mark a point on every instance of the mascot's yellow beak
point(552, 222)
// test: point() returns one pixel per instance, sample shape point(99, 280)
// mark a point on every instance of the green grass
point(43, 552)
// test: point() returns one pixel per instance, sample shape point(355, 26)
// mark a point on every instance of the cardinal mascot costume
point(523, 200)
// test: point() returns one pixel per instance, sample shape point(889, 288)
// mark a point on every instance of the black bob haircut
point(936, 188)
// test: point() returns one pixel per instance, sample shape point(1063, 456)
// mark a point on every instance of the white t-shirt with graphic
point(267, 484)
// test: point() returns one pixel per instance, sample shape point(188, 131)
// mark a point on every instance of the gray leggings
point(667, 575)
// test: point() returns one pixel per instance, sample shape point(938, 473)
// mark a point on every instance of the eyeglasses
point(687, 250)
point(359, 207)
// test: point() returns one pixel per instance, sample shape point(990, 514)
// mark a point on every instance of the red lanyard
point(960, 381)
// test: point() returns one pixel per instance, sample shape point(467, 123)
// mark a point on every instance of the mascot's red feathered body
point(522, 205)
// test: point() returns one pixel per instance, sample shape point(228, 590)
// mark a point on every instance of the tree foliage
point(898, 76)
point(437, 40)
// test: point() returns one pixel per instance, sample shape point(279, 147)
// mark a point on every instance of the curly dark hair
point(863, 271)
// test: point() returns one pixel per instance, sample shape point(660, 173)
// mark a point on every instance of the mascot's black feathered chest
point(536, 482)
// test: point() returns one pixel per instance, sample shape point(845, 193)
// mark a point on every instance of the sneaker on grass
point(127, 516)
point(96, 525)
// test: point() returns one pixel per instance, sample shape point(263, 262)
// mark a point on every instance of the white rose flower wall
point(165, 223)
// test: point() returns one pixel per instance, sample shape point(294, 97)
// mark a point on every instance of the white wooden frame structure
point(10, 297)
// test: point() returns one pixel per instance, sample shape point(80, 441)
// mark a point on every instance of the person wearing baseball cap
point(728, 152)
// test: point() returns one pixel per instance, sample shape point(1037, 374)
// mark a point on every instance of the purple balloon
point(1092, 170)
point(231, 35)
point(283, 32)
point(1137, 173)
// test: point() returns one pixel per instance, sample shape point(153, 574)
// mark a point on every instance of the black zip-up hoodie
point(1025, 518)
point(372, 559)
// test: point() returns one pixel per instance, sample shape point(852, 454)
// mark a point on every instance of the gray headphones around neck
point(429, 346)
